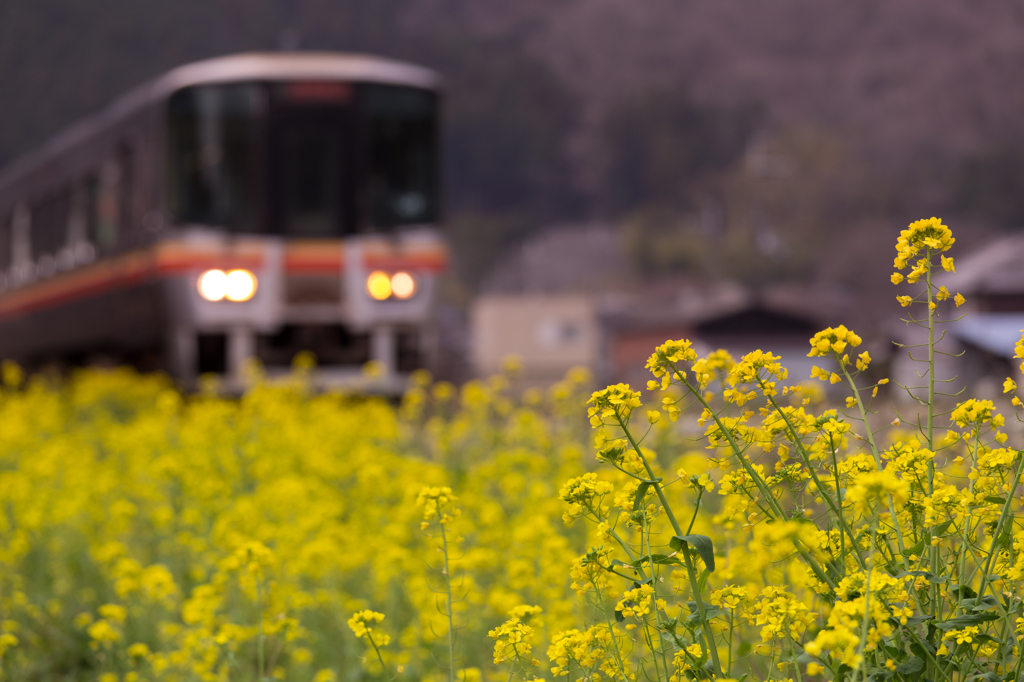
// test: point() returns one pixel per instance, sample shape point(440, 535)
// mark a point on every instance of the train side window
point(78, 249)
point(21, 247)
point(5, 245)
point(107, 226)
point(126, 191)
point(48, 232)
point(91, 189)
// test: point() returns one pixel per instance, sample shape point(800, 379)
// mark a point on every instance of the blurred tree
point(479, 240)
point(506, 123)
point(991, 185)
point(662, 148)
point(766, 218)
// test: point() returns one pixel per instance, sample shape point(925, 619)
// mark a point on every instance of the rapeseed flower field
point(721, 523)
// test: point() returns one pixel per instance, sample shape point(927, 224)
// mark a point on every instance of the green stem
point(654, 588)
point(759, 482)
point(932, 661)
point(611, 630)
point(999, 528)
point(448, 607)
point(696, 508)
point(878, 458)
point(732, 626)
point(933, 591)
point(705, 625)
point(842, 539)
point(931, 373)
point(629, 552)
point(866, 625)
point(383, 668)
point(965, 526)
point(260, 638)
point(805, 456)
point(792, 652)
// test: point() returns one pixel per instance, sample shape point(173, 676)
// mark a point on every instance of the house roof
point(996, 333)
point(565, 258)
point(997, 268)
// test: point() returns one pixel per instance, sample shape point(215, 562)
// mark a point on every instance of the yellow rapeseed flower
point(922, 235)
point(832, 342)
point(361, 623)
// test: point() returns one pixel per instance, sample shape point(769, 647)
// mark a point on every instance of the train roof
point(253, 66)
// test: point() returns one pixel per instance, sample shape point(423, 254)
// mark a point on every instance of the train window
point(126, 188)
point(5, 241)
point(401, 169)
point(213, 143)
point(21, 249)
point(91, 187)
point(49, 225)
point(310, 158)
point(107, 189)
point(311, 168)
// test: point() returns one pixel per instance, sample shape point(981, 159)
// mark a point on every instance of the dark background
point(735, 139)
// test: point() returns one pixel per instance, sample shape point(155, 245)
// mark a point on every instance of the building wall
point(550, 333)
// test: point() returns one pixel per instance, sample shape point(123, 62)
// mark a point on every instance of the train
point(246, 206)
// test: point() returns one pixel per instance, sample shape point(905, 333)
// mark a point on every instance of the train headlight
point(403, 286)
point(241, 285)
point(235, 285)
point(213, 285)
point(378, 285)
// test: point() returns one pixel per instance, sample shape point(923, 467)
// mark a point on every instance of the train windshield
point(401, 183)
point(314, 159)
point(310, 148)
point(213, 136)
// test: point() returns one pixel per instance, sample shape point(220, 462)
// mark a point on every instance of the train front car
point(316, 192)
point(279, 203)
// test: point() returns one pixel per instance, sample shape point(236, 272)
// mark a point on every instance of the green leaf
point(979, 603)
point(656, 559)
point(922, 648)
point(996, 500)
point(641, 492)
point(990, 676)
point(709, 611)
point(702, 581)
point(701, 543)
point(930, 577)
point(941, 528)
point(964, 621)
point(1005, 540)
point(916, 549)
point(965, 592)
point(910, 666)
